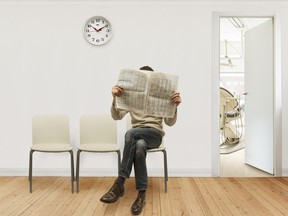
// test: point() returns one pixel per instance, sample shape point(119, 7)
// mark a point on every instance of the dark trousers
point(137, 141)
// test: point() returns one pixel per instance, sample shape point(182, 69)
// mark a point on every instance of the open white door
point(259, 103)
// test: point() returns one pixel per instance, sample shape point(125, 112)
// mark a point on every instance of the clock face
point(97, 30)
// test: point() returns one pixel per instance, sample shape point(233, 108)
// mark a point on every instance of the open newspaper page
point(134, 84)
point(147, 92)
point(161, 87)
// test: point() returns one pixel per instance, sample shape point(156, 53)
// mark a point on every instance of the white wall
point(46, 66)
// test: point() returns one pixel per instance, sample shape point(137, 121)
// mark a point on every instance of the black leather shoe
point(139, 203)
point(116, 191)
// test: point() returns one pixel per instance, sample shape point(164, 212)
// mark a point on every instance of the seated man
point(146, 132)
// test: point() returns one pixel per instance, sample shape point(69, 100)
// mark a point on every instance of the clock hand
point(102, 28)
point(94, 28)
point(97, 30)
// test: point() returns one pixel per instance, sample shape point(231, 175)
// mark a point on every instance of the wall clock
point(97, 30)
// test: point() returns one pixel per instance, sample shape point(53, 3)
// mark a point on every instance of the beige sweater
point(139, 120)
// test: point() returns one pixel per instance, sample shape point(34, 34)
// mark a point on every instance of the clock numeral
point(87, 30)
point(107, 30)
point(107, 35)
point(97, 20)
point(88, 35)
point(89, 26)
point(98, 41)
point(102, 39)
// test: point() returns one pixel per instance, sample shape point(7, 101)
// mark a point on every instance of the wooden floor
point(186, 196)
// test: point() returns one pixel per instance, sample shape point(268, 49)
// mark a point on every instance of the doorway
point(233, 49)
point(230, 66)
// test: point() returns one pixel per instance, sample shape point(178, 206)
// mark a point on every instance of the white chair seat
point(99, 147)
point(51, 147)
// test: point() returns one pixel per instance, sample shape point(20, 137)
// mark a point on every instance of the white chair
point(50, 134)
point(98, 134)
point(161, 148)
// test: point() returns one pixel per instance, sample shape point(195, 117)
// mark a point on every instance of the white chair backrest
point(50, 129)
point(98, 129)
point(231, 101)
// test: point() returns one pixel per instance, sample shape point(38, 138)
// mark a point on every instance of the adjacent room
point(233, 94)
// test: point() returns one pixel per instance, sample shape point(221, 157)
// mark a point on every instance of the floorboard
point(198, 196)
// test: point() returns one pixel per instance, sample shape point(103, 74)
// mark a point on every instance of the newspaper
point(148, 92)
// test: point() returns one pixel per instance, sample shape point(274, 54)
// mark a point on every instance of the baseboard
point(285, 172)
point(155, 172)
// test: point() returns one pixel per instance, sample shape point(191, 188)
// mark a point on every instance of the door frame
point(215, 85)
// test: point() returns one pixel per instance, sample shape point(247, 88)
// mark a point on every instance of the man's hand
point(117, 91)
point(176, 98)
